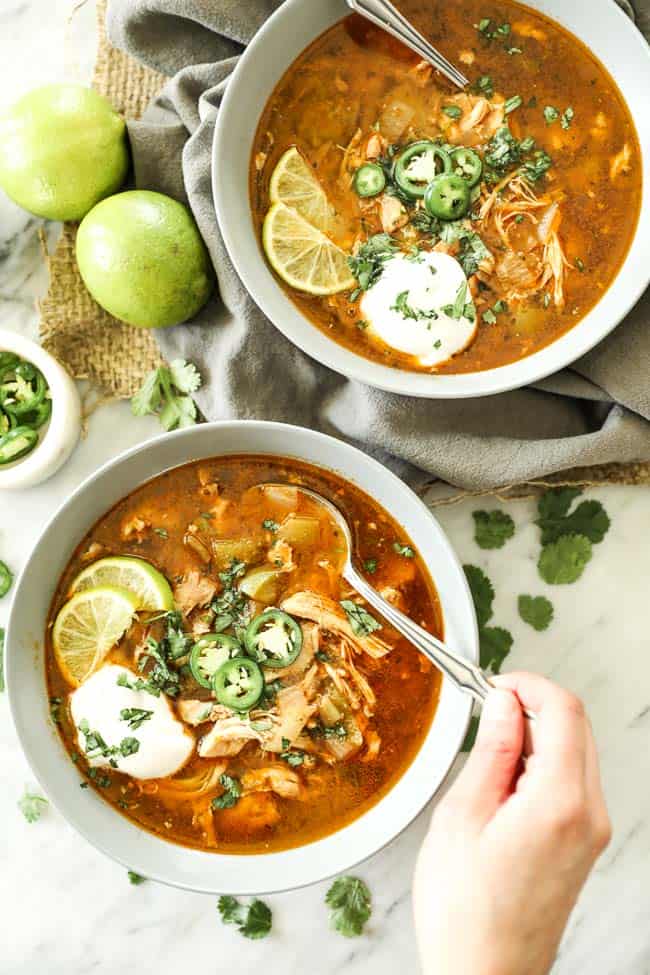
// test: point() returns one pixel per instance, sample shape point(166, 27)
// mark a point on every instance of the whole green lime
point(62, 149)
point(142, 258)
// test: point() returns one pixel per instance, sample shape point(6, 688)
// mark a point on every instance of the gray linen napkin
point(596, 412)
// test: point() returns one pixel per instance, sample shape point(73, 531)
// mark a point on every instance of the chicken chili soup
point(214, 677)
point(440, 231)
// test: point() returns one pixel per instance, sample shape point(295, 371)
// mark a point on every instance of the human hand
point(510, 846)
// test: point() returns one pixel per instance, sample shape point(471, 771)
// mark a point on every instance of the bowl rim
point(37, 754)
point(245, 253)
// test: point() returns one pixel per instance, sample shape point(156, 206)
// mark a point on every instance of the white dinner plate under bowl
point(600, 24)
point(139, 850)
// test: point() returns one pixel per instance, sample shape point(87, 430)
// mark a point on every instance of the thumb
point(486, 781)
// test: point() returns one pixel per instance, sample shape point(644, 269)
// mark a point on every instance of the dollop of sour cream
point(164, 743)
point(422, 306)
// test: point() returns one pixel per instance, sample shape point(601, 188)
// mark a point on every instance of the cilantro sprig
point(166, 392)
point(495, 641)
point(231, 793)
point(350, 906)
point(568, 535)
point(253, 920)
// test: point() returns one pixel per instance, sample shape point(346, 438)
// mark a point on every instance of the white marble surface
point(67, 910)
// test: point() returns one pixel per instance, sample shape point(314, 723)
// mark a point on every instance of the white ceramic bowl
point(59, 437)
point(600, 24)
point(95, 819)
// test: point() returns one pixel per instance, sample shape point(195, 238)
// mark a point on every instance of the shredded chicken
point(189, 787)
point(295, 708)
point(467, 57)
point(273, 778)
point(421, 73)
point(281, 555)
point(227, 738)
point(134, 527)
point(392, 213)
point(525, 29)
point(260, 161)
point(192, 591)
point(331, 617)
point(195, 712)
point(376, 146)
point(93, 552)
point(373, 743)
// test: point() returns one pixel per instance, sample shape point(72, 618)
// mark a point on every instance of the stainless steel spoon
point(385, 15)
point(463, 673)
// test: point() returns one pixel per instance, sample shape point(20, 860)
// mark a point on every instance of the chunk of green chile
point(38, 417)
point(415, 189)
point(8, 362)
point(447, 197)
point(273, 638)
point(24, 403)
point(17, 443)
point(210, 652)
point(369, 180)
point(238, 684)
point(468, 164)
point(7, 421)
point(6, 578)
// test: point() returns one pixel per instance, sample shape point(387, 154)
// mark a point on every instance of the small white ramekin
point(60, 436)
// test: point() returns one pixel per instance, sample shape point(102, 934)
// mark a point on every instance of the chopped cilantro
point(407, 311)
point(293, 756)
point(404, 550)
point(362, 623)
point(350, 906)
point(551, 114)
point(231, 793)
point(162, 532)
point(253, 920)
point(512, 104)
point(492, 529)
point(367, 264)
point(370, 565)
point(580, 264)
point(484, 86)
point(567, 118)
point(135, 878)
point(135, 717)
point(269, 525)
point(564, 561)
point(453, 111)
point(537, 611)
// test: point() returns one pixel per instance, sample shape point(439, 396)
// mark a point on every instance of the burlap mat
point(114, 356)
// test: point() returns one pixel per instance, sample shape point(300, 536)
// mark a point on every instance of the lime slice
point(139, 577)
point(303, 256)
point(294, 183)
point(88, 626)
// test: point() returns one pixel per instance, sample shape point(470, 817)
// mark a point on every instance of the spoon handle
point(385, 15)
point(462, 672)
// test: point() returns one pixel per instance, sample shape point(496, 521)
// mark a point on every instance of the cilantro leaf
point(360, 620)
point(32, 806)
point(496, 644)
point(370, 565)
point(563, 561)
point(470, 737)
point(482, 593)
point(556, 502)
point(165, 392)
point(537, 611)
point(231, 793)
point(404, 550)
point(185, 376)
point(350, 906)
point(253, 920)
point(492, 529)
point(135, 878)
point(2, 659)
point(589, 518)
